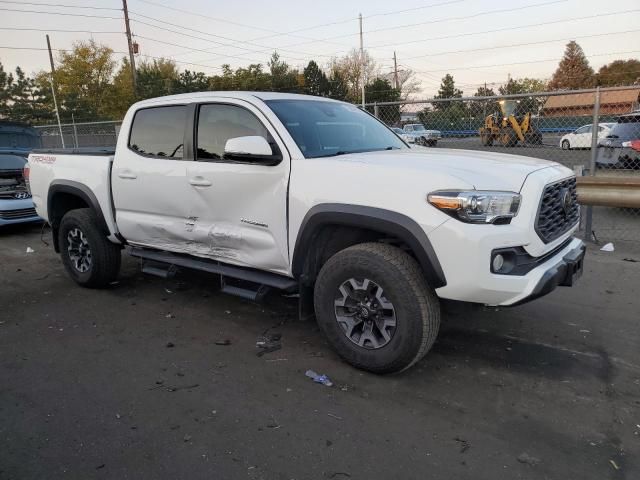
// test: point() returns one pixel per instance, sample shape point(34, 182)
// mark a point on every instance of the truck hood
point(481, 170)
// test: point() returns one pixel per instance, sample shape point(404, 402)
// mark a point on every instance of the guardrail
point(609, 191)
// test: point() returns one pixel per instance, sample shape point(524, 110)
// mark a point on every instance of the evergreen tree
point(315, 81)
point(574, 71)
point(447, 90)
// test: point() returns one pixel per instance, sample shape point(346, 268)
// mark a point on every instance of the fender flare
point(79, 190)
point(372, 218)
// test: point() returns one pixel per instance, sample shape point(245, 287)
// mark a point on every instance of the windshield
point(625, 131)
point(418, 128)
point(325, 129)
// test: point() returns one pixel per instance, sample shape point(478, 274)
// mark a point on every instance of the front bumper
point(17, 211)
point(563, 274)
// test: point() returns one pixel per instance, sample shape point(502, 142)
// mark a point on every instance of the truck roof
point(240, 95)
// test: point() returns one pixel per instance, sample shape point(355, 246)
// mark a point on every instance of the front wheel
point(375, 307)
point(90, 259)
point(566, 145)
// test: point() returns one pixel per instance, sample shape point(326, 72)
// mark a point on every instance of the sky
point(476, 41)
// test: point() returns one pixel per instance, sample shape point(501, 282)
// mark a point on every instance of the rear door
point(150, 191)
point(239, 208)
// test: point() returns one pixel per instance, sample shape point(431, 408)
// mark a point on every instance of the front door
point(239, 208)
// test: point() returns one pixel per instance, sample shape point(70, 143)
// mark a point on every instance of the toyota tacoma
point(315, 197)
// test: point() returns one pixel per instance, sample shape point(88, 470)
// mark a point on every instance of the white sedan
point(581, 138)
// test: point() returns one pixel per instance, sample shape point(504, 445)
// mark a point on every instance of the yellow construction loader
point(511, 129)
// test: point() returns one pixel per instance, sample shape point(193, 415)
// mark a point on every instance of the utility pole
point(53, 90)
point(395, 71)
point(362, 80)
point(132, 60)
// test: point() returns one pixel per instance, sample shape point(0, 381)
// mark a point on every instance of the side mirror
point(253, 146)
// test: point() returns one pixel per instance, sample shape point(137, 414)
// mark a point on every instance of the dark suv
point(621, 148)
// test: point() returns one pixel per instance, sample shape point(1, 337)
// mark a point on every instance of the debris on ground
point(183, 387)
point(30, 250)
point(187, 438)
point(632, 260)
point(339, 474)
point(334, 416)
point(269, 342)
point(224, 342)
point(169, 315)
point(464, 444)
point(170, 345)
point(323, 379)
point(608, 247)
point(528, 459)
point(614, 464)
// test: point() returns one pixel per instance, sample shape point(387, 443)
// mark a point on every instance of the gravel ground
point(129, 382)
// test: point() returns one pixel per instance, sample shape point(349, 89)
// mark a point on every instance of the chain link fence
point(589, 131)
point(80, 135)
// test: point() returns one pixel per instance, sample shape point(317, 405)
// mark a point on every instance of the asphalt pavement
point(156, 378)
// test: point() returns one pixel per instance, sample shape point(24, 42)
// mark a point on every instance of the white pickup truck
point(318, 197)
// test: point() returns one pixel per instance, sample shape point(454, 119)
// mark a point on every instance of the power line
point(521, 44)
point(272, 32)
point(263, 48)
point(60, 5)
point(443, 20)
point(29, 29)
point(59, 13)
point(216, 42)
point(192, 48)
point(458, 35)
point(521, 63)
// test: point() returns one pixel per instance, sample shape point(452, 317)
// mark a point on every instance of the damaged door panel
point(248, 229)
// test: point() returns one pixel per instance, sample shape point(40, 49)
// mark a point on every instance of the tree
point(189, 81)
point(408, 83)
point(481, 109)
point(338, 88)
point(574, 71)
point(351, 68)
point(380, 90)
point(619, 73)
point(526, 85)
point(315, 80)
point(283, 79)
point(157, 78)
point(447, 90)
point(21, 99)
point(83, 79)
point(121, 95)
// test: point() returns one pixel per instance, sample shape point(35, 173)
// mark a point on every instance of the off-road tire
point(105, 255)
point(416, 305)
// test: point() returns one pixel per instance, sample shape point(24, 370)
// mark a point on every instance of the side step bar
point(256, 276)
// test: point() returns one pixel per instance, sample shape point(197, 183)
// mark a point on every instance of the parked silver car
point(418, 134)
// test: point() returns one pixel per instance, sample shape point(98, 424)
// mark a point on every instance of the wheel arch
point(366, 220)
point(66, 195)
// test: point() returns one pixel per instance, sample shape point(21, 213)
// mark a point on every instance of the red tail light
point(635, 145)
point(26, 171)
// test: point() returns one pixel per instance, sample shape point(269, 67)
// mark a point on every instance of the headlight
point(476, 206)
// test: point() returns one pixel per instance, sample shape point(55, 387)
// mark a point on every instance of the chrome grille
point(559, 210)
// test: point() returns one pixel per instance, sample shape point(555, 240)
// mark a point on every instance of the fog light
point(498, 263)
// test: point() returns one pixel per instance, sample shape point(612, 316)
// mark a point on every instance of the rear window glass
point(159, 131)
point(629, 130)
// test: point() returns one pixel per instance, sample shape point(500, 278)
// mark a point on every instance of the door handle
point(127, 174)
point(199, 182)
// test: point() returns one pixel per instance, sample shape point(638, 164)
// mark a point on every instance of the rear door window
point(159, 131)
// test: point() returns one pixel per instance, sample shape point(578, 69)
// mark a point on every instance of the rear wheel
point(486, 139)
point(432, 143)
point(90, 259)
point(375, 307)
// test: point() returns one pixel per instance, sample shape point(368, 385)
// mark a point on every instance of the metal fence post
point(592, 161)
point(376, 110)
point(75, 131)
